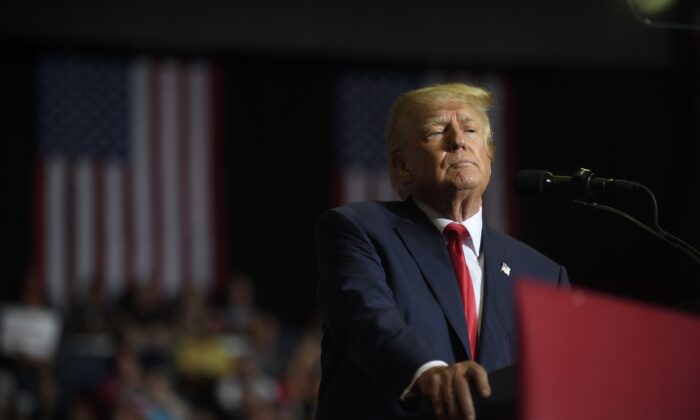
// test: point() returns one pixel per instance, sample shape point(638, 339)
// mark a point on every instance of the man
point(402, 316)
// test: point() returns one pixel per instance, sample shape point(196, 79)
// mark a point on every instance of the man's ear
point(399, 167)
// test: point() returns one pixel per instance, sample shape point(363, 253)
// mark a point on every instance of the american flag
point(363, 99)
point(125, 177)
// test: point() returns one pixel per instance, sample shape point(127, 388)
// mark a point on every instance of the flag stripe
point(198, 176)
point(128, 209)
point(84, 221)
point(384, 188)
point(154, 142)
point(100, 237)
point(114, 242)
point(68, 238)
point(183, 119)
point(170, 227)
point(141, 122)
point(215, 225)
point(355, 185)
point(55, 194)
point(40, 223)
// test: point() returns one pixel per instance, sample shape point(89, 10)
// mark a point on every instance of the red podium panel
point(585, 355)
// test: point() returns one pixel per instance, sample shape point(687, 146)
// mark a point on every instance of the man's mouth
point(462, 163)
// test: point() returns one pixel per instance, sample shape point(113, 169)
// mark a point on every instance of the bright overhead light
point(652, 7)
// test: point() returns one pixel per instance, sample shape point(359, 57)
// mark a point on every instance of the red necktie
point(456, 233)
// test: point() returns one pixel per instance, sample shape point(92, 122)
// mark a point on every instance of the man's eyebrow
point(443, 119)
point(464, 117)
point(438, 119)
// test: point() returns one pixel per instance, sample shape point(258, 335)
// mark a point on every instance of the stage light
point(652, 7)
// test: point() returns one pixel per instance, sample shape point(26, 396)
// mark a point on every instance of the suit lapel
point(428, 249)
point(497, 312)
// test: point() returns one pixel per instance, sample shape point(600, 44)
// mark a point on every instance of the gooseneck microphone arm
point(662, 235)
point(584, 183)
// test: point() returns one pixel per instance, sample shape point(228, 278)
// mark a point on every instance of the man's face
point(445, 153)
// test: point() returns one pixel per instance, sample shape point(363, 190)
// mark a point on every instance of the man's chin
point(467, 183)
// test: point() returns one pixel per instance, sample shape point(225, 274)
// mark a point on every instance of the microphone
point(584, 182)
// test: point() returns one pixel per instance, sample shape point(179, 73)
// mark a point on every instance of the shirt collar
point(473, 224)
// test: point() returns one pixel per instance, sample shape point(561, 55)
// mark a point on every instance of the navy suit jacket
point(390, 302)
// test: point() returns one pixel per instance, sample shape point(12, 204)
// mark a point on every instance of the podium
point(584, 355)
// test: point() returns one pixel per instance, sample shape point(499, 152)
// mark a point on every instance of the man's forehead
point(442, 111)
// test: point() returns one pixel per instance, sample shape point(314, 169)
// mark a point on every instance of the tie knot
point(455, 231)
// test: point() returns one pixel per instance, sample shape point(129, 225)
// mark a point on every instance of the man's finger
point(439, 408)
point(431, 386)
point(452, 411)
point(481, 379)
point(464, 398)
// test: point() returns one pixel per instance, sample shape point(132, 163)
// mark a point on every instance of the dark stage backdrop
point(635, 125)
point(624, 122)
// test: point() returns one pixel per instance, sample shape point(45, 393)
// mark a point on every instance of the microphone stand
point(655, 231)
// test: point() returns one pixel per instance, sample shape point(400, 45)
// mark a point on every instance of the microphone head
point(532, 181)
point(583, 183)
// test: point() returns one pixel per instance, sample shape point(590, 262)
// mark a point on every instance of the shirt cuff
point(425, 366)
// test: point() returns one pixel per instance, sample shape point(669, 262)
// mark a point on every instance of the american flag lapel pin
point(505, 269)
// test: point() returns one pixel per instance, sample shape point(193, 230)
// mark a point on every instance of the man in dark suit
point(406, 310)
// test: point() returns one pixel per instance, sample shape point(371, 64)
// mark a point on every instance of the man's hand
point(447, 387)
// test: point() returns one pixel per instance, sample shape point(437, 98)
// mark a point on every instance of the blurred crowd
point(144, 357)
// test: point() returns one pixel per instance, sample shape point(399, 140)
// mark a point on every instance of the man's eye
point(435, 133)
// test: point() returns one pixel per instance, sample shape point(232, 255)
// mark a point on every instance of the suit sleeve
point(358, 308)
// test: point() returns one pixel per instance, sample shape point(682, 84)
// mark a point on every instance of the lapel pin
point(505, 269)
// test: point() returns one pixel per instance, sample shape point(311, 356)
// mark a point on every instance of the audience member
point(144, 358)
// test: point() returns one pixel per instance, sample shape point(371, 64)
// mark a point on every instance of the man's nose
point(457, 138)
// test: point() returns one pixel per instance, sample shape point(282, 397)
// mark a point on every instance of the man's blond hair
point(407, 105)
